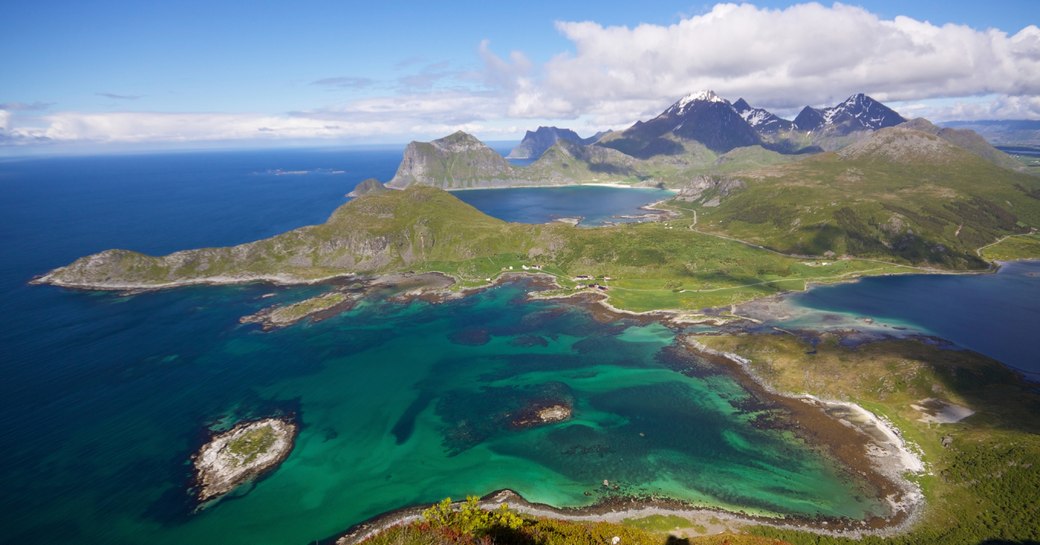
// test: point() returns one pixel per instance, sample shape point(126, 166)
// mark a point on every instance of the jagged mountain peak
point(859, 112)
point(760, 119)
point(698, 96)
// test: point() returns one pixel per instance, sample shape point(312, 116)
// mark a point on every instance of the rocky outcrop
point(456, 161)
point(240, 454)
point(708, 190)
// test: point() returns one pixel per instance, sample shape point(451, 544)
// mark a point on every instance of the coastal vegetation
point(983, 471)
point(640, 266)
point(1013, 247)
point(900, 194)
point(446, 523)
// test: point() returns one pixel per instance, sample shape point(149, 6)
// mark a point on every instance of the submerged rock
point(537, 415)
point(240, 454)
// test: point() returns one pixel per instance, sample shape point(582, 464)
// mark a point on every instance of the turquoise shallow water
point(104, 397)
point(400, 404)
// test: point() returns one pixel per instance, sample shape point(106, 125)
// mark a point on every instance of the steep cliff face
point(454, 162)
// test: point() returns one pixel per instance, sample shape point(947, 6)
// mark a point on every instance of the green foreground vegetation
point(467, 523)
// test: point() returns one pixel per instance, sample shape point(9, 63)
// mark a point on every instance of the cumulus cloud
point(778, 58)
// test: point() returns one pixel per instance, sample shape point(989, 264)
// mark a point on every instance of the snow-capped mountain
point(763, 121)
point(702, 116)
point(859, 112)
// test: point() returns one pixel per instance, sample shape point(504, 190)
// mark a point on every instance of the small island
point(242, 453)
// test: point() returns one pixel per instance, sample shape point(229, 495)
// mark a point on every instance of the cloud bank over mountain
point(781, 59)
point(804, 54)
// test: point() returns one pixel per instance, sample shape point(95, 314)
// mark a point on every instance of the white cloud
point(779, 58)
point(1001, 107)
point(383, 119)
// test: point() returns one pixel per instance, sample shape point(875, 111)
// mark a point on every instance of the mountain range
point(700, 134)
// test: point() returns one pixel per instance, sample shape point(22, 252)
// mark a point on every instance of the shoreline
point(615, 185)
point(881, 464)
point(886, 464)
point(904, 497)
point(884, 476)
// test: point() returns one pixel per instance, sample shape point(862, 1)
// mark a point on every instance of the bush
point(469, 519)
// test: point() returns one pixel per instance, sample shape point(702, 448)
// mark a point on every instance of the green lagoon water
point(409, 403)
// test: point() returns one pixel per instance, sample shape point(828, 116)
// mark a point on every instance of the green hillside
point(902, 194)
point(421, 229)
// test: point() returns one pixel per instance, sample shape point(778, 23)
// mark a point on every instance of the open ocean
point(105, 396)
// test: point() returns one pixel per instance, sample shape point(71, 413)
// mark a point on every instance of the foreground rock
point(242, 453)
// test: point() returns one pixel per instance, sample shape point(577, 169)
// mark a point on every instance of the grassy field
point(935, 206)
point(1013, 248)
point(643, 266)
point(251, 444)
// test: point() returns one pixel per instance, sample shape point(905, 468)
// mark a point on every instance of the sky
point(122, 74)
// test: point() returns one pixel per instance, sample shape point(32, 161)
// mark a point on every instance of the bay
point(105, 396)
point(993, 314)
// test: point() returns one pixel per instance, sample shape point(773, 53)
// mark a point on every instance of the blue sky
point(176, 73)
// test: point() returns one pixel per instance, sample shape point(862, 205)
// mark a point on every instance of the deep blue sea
point(995, 314)
point(104, 396)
